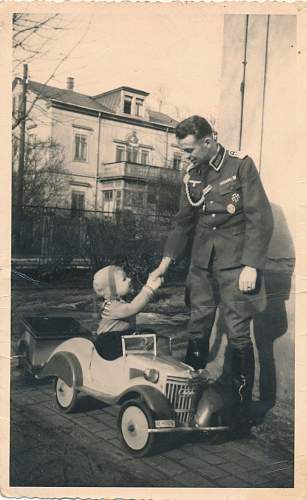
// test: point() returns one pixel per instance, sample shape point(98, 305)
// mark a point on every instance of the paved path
point(49, 448)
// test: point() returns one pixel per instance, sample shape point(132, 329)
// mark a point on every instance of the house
point(118, 152)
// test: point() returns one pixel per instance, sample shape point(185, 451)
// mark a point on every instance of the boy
point(118, 317)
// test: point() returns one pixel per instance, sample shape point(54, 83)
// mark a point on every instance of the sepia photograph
point(153, 229)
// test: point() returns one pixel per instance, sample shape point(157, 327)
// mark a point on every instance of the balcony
point(126, 170)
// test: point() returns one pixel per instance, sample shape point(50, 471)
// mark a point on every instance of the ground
point(84, 449)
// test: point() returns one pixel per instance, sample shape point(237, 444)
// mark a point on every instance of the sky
point(143, 46)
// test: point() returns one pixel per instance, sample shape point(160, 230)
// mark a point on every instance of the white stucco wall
point(271, 105)
point(269, 136)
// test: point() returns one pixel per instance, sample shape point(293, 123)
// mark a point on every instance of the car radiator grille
point(182, 395)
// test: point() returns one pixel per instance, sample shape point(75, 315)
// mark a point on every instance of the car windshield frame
point(132, 338)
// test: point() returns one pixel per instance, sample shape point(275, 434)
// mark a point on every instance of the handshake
point(155, 279)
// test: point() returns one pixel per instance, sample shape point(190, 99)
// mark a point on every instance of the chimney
point(70, 83)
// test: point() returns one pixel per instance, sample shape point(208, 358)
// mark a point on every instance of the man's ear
point(209, 141)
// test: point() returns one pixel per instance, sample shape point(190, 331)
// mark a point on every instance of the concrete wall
point(268, 135)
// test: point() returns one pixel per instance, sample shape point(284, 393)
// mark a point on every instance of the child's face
point(123, 283)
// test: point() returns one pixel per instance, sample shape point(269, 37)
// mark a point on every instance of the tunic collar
point(217, 161)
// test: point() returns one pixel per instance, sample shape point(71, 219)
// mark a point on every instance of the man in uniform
point(225, 212)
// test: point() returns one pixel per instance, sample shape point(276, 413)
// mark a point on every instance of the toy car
point(155, 392)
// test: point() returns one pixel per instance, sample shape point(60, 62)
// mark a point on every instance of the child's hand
point(154, 283)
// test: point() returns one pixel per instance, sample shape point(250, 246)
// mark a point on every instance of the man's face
point(198, 150)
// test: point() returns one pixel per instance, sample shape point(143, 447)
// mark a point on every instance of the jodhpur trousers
point(208, 288)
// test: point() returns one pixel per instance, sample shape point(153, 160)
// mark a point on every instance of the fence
point(61, 238)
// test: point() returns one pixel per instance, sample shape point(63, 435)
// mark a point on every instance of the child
point(117, 316)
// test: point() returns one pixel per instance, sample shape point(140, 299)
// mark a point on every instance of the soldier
point(225, 212)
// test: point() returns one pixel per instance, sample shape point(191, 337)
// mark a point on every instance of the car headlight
point(151, 375)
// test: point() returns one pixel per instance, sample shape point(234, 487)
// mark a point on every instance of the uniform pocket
point(237, 232)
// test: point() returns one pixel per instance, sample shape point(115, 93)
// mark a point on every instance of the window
point(80, 147)
point(107, 201)
point(77, 202)
point(14, 104)
point(134, 198)
point(129, 154)
point(17, 103)
point(120, 153)
point(144, 157)
point(176, 161)
point(151, 193)
point(118, 199)
point(138, 199)
point(127, 104)
point(132, 154)
point(139, 107)
point(108, 195)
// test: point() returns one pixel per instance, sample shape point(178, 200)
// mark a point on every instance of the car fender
point(209, 403)
point(152, 397)
point(64, 365)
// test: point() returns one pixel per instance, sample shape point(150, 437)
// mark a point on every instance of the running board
point(190, 429)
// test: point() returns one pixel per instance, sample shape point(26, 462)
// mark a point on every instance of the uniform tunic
point(237, 220)
point(231, 229)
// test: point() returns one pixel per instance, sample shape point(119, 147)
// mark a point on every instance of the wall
point(65, 124)
point(268, 135)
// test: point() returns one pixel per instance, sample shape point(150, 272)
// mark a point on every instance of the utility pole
point(21, 159)
point(97, 163)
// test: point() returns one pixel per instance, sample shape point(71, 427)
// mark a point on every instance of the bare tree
point(31, 35)
point(161, 97)
point(45, 177)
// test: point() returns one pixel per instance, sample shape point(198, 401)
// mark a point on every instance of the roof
point(66, 96)
point(82, 100)
point(158, 117)
point(125, 88)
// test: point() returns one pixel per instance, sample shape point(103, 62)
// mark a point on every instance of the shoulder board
point(237, 154)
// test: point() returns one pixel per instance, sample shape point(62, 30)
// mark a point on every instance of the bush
point(127, 241)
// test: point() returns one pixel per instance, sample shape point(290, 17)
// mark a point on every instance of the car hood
point(166, 365)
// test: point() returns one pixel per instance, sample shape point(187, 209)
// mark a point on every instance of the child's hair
point(104, 280)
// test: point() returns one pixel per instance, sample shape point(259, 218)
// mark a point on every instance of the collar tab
point(217, 161)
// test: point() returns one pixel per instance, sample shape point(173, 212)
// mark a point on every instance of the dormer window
point(139, 106)
point(127, 104)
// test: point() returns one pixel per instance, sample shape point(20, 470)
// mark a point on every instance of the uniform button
point(211, 201)
point(214, 228)
point(213, 215)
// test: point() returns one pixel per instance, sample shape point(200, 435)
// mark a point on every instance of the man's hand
point(162, 268)
point(154, 282)
point(247, 280)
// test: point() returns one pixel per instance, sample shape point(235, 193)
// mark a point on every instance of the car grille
point(182, 395)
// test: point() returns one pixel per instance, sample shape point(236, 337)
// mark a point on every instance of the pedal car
point(155, 392)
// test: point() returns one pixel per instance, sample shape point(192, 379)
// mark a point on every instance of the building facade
point(119, 154)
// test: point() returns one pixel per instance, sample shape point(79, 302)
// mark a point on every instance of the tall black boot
point(243, 370)
point(197, 353)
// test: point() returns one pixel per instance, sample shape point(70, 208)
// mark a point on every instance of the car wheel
point(134, 421)
point(66, 396)
point(24, 362)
